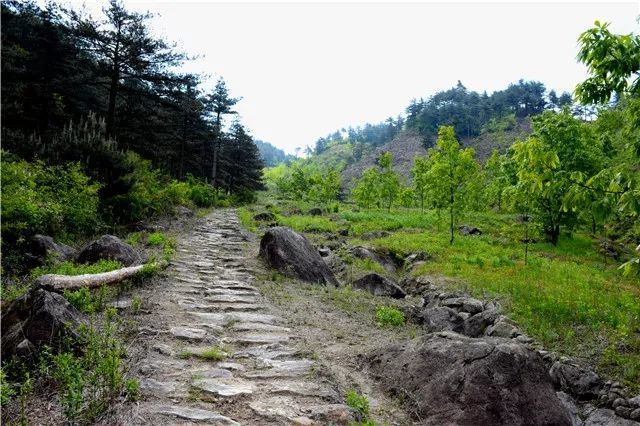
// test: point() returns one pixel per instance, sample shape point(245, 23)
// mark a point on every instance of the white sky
point(306, 69)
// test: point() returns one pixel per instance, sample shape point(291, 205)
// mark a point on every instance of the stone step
point(195, 414)
point(224, 387)
point(256, 338)
point(262, 352)
point(287, 410)
point(222, 319)
point(231, 298)
point(258, 326)
point(301, 388)
point(276, 369)
point(188, 333)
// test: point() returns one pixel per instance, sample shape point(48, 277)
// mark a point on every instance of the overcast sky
point(306, 69)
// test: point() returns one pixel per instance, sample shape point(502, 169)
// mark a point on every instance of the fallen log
point(60, 283)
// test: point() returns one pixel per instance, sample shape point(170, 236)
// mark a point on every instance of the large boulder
point(109, 247)
point(455, 380)
point(43, 249)
point(378, 285)
point(293, 255)
point(39, 317)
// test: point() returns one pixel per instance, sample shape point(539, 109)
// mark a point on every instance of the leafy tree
point(406, 196)
point(561, 145)
point(497, 178)
point(389, 181)
point(450, 173)
point(613, 62)
point(420, 174)
point(366, 189)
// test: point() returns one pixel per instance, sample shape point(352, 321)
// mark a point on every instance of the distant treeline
point(271, 155)
point(467, 111)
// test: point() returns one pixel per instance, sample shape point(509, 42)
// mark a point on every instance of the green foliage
point(451, 175)
point(214, 353)
point(389, 181)
point(388, 316)
point(157, 239)
point(88, 382)
point(613, 62)
point(136, 304)
point(71, 268)
point(497, 178)
point(7, 392)
point(360, 404)
point(201, 194)
point(85, 300)
point(132, 389)
point(54, 200)
point(366, 190)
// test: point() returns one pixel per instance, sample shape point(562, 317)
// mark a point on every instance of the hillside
point(407, 144)
point(270, 154)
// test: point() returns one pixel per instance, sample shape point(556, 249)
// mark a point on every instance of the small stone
point(635, 414)
point(618, 402)
point(624, 411)
point(224, 389)
point(187, 333)
point(302, 421)
point(196, 414)
point(163, 349)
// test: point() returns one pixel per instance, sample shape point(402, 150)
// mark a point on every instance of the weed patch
point(386, 316)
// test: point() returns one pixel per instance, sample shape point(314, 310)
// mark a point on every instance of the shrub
point(202, 194)
point(360, 404)
point(56, 200)
point(389, 316)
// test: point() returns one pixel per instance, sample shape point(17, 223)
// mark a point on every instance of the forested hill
point(272, 155)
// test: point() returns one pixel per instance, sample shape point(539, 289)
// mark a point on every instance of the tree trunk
point(111, 111)
point(553, 234)
point(451, 201)
point(75, 282)
point(216, 148)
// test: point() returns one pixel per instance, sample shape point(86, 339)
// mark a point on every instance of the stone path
point(216, 352)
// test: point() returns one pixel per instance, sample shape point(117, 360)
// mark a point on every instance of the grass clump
point(387, 316)
point(360, 404)
point(214, 353)
point(86, 301)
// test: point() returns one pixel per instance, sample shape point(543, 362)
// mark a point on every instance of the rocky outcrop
point(39, 317)
point(43, 249)
point(453, 379)
point(383, 260)
point(110, 247)
point(378, 285)
point(293, 255)
point(469, 230)
point(316, 211)
point(182, 211)
point(264, 217)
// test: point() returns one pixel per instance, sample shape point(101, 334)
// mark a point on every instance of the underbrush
point(88, 381)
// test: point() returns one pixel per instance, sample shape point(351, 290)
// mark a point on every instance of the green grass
point(157, 239)
point(387, 316)
point(214, 353)
point(71, 268)
point(246, 219)
point(568, 297)
point(360, 404)
point(312, 224)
